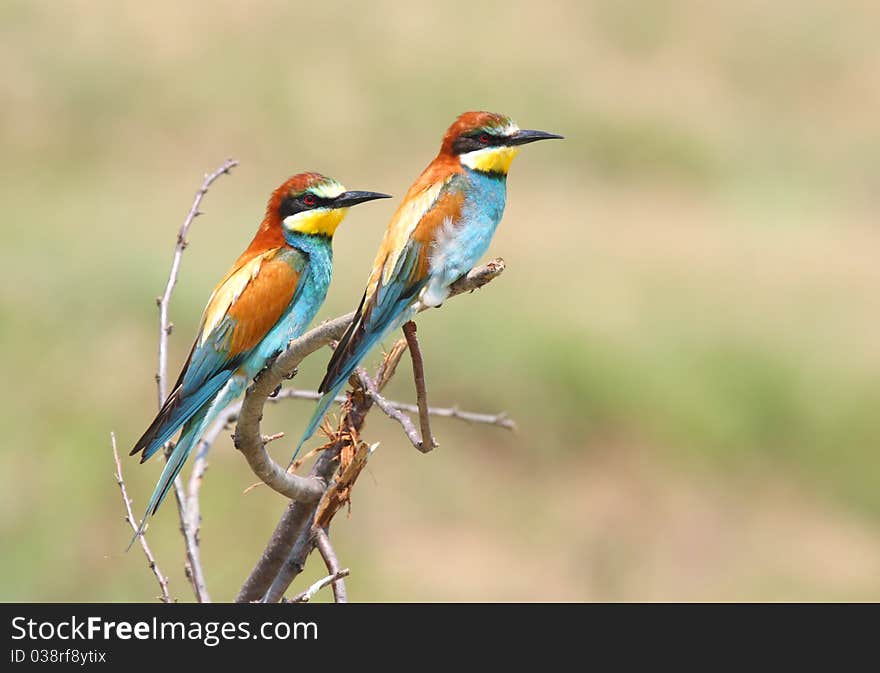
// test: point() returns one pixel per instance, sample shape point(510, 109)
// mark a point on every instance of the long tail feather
point(344, 370)
point(169, 474)
point(192, 432)
point(178, 410)
point(323, 404)
point(375, 317)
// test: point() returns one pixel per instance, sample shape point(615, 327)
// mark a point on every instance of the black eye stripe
point(470, 142)
point(293, 205)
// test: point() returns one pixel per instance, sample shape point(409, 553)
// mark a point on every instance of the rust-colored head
point(487, 141)
point(310, 203)
point(473, 123)
point(297, 185)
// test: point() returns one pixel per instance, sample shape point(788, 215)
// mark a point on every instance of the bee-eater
point(439, 232)
point(267, 298)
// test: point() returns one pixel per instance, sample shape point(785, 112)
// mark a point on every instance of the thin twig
point(309, 593)
point(200, 466)
point(129, 517)
point(188, 528)
point(163, 301)
point(322, 542)
point(389, 410)
point(428, 442)
point(501, 419)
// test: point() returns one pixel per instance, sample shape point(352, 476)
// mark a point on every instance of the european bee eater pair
point(273, 291)
point(268, 297)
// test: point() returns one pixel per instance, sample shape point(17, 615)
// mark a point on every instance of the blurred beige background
point(687, 332)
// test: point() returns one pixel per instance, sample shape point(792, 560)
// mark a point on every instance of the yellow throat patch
point(490, 159)
point(321, 221)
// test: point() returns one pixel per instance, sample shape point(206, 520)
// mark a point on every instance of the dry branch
point(308, 594)
point(501, 419)
point(390, 410)
point(427, 441)
point(129, 517)
point(322, 542)
point(249, 439)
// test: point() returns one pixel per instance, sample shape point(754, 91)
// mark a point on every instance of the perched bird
point(267, 298)
point(439, 232)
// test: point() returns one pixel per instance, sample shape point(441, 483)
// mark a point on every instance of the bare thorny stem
point(129, 517)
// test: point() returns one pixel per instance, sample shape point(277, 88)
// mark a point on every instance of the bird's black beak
point(348, 199)
point(526, 137)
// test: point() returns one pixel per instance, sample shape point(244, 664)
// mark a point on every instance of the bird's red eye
point(309, 200)
point(484, 138)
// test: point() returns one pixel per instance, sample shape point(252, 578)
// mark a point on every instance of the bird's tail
point(177, 410)
point(375, 317)
point(192, 432)
point(173, 466)
point(323, 404)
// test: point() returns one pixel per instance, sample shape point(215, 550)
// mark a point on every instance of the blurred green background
point(687, 332)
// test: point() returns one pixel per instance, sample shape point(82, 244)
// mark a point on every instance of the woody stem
point(409, 331)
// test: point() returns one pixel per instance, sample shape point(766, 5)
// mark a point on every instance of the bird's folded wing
point(399, 273)
point(246, 304)
point(243, 308)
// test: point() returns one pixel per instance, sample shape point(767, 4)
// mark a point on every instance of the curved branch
point(248, 437)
